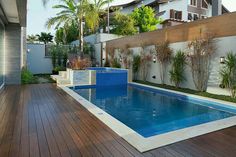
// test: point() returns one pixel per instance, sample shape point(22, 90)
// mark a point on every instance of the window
point(193, 16)
point(204, 4)
point(193, 2)
point(174, 14)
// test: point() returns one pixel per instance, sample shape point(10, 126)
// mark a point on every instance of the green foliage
point(32, 38)
point(145, 18)
point(65, 57)
point(27, 77)
point(94, 10)
point(60, 36)
point(67, 33)
point(115, 63)
point(136, 65)
point(123, 25)
point(107, 63)
point(71, 11)
point(178, 66)
point(228, 73)
point(57, 69)
point(54, 57)
point(190, 91)
point(45, 37)
point(59, 55)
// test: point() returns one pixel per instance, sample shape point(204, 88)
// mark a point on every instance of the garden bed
point(190, 91)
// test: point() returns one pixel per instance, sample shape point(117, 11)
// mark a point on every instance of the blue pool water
point(150, 111)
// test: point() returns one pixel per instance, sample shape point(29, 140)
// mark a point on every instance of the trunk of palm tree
point(81, 37)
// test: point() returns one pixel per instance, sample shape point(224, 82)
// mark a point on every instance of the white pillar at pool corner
point(130, 75)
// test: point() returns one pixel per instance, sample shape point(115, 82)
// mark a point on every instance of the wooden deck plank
point(43, 121)
point(99, 133)
point(9, 123)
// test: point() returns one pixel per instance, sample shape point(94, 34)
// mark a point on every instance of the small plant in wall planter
point(228, 74)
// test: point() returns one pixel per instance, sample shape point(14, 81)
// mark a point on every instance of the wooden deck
point(42, 120)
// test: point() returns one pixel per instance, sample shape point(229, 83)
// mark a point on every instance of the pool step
point(63, 74)
point(61, 79)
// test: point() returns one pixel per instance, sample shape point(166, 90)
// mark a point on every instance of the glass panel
point(1, 54)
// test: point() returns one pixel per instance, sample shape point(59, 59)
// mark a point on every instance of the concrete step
point(56, 77)
point(63, 74)
point(63, 82)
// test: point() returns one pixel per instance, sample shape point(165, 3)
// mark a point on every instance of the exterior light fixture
point(103, 59)
point(222, 60)
point(28, 50)
point(120, 59)
point(154, 59)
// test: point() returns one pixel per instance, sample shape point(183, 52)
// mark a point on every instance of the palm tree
point(32, 38)
point(78, 12)
point(94, 11)
point(45, 37)
point(70, 12)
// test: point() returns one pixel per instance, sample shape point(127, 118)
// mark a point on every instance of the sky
point(38, 14)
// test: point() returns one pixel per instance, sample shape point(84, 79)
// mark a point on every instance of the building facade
point(174, 12)
point(12, 40)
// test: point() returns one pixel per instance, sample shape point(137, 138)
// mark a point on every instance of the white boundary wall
point(37, 63)
point(223, 45)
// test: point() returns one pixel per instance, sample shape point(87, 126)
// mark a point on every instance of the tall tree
point(145, 18)
point(95, 9)
point(45, 37)
point(70, 12)
point(123, 24)
point(80, 12)
point(163, 53)
point(67, 34)
point(200, 52)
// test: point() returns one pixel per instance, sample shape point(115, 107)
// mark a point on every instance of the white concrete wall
point(97, 38)
point(223, 45)
point(37, 63)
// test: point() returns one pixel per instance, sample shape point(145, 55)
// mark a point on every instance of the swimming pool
point(152, 112)
point(149, 117)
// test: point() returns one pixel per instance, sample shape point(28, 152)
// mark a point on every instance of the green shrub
point(190, 91)
point(57, 69)
point(107, 63)
point(116, 63)
point(136, 65)
point(178, 66)
point(65, 57)
point(228, 74)
point(27, 77)
point(54, 58)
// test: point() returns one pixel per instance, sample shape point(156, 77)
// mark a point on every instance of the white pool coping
point(145, 144)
